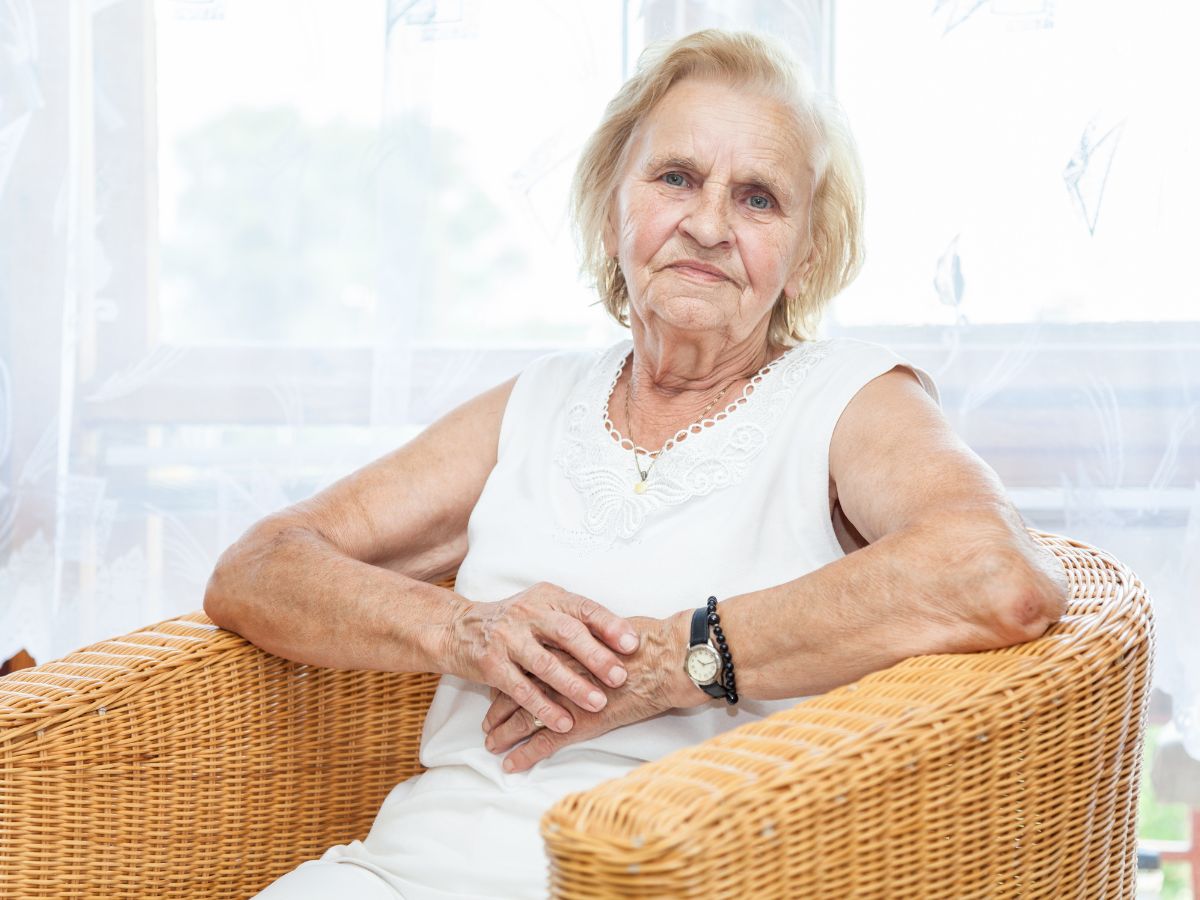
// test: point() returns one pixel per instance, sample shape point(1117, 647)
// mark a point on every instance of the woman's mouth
point(698, 272)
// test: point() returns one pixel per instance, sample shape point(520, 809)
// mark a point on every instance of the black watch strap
point(699, 627)
point(700, 636)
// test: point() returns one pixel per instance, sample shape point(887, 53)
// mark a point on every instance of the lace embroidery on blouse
point(712, 454)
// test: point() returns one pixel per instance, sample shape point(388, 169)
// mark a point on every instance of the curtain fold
point(245, 248)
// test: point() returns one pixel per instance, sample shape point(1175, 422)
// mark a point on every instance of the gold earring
point(613, 282)
point(611, 267)
point(789, 315)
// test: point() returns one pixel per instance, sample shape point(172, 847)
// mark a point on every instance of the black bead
point(712, 601)
point(731, 697)
point(713, 618)
point(729, 666)
point(726, 655)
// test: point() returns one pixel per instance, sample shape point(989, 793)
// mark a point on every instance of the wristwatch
point(703, 661)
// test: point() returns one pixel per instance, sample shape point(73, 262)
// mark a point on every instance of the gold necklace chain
point(640, 485)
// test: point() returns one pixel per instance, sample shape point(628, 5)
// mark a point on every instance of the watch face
point(702, 664)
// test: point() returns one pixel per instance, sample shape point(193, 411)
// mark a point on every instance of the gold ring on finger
point(538, 723)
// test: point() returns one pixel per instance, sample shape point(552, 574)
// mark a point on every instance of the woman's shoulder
point(563, 368)
point(566, 359)
point(848, 346)
point(854, 362)
point(839, 357)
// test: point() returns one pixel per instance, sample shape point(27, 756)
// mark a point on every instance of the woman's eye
point(674, 179)
point(760, 201)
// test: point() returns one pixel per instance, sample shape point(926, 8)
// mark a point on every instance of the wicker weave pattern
point(182, 761)
point(1011, 773)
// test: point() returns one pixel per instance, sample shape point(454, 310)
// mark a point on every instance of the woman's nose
point(707, 221)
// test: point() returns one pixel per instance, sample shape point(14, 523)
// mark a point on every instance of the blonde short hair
point(740, 59)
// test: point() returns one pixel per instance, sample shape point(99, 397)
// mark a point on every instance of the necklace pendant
point(639, 487)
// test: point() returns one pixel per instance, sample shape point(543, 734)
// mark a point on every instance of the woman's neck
point(668, 386)
point(667, 366)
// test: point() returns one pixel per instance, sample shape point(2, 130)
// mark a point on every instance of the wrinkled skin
point(645, 694)
point(542, 639)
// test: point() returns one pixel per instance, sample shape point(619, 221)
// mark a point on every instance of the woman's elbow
point(217, 593)
point(233, 580)
point(1034, 597)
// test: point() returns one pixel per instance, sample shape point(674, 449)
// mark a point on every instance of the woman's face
point(714, 178)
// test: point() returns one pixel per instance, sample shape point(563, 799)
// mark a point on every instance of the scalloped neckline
point(701, 426)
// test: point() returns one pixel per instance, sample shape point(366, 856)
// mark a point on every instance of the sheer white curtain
point(247, 246)
point(1032, 190)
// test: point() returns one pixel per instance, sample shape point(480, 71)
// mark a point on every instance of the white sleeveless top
point(739, 505)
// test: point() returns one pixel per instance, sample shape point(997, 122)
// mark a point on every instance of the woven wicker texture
point(182, 761)
point(1010, 773)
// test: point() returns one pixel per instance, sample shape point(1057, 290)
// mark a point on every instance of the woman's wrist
point(681, 692)
point(444, 644)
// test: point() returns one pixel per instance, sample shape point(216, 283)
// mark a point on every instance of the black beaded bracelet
point(727, 680)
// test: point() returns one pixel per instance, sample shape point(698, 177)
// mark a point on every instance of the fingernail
point(596, 700)
point(490, 744)
point(564, 724)
point(616, 675)
point(628, 642)
point(486, 727)
point(509, 765)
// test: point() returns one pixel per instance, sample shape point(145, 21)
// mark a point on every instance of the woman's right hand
point(503, 643)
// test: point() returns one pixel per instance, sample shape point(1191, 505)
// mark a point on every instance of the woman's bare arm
point(949, 568)
point(341, 579)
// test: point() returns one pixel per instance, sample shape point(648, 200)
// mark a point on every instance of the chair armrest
point(1004, 773)
point(183, 761)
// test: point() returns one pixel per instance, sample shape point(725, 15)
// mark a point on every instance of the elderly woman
point(654, 543)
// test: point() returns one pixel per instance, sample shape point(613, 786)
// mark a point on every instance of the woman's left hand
point(645, 693)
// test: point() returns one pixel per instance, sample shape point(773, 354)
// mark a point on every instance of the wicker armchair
point(182, 761)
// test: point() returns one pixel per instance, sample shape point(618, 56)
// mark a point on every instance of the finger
point(521, 688)
point(515, 728)
point(542, 745)
point(615, 631)
point(502, 707)
point(571, 635)
point(573, 685)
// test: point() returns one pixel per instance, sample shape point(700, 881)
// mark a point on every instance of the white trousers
point(325, 878)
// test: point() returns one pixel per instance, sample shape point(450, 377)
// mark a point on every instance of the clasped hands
point(553, 655)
